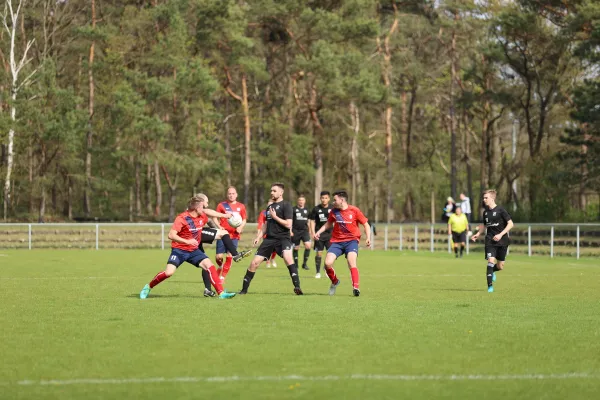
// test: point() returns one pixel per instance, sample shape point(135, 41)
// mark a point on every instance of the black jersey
point(300, 221)
point(275, 230)
point(319, 214)
point(495, 220)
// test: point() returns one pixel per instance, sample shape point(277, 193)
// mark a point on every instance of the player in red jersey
point(234, 207)
point(187, 233)
point(345, 238)
point(262, 218)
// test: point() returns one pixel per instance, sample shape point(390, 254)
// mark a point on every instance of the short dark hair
point(341, 193)
point(301, 196)
point(325, 192)
point(279, 184)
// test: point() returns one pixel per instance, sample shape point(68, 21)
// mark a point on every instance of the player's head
point(277, 191)
point(489, 197)
point(462, 197)
point(458, 210)
point(301, 201)
point(325, 197)
point(231, 194)
point(197, 202)
point(340, 198)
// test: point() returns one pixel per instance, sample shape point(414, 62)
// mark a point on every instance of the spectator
point(448, 209)
point(465, 206)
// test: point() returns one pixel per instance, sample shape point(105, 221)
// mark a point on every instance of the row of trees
point(121, 109)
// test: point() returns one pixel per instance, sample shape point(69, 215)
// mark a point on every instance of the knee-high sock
point(229, 245)
point(227, 266)
point(318, 263)
point(206, 279)
point(214, 279)
point(293, 268)
point(455, 249)
point(295, 256)
point(306, 254)
point(496, 268)
point(331, 274)
point(489, 273)
point(355, 277)
point(273, 255)
point(247, 279)
point(161, 276)
point(462, 248)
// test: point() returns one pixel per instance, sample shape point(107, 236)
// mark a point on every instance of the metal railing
point(575, 240)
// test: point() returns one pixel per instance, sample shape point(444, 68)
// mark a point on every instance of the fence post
point(529, 240)
point(468, 240)
point(162, 236)
point(552, 242)
point(372, 238)
point(29, 237)
point(449, 244)
point(431, 234)
point(401, 237)
point(416, 238)
point(578, 242)
point(385, 238)
point(97, 229)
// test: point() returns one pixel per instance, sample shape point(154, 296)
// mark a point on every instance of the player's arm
point(367, 227)
point(480, 230)
point(509, 225)
point(328, 225)
point(287, 223)
point(174, 236)
point(213, 214)
point(260, 234)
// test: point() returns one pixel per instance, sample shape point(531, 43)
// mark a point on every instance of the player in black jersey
point(317, 218)
point(276, 233)
point(300, 230)
point(497, 224)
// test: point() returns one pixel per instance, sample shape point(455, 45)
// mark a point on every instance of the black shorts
point(459, 237)
point(208, 235)
point(498, 252)
point(268, 246)
point(321, 245)
point(301, 236)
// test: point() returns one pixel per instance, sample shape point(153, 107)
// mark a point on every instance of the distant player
point(317, 218)
point(345, 219)
point(231, 206)
point(458, 226)
point(277, 231)
point(498, 223)
point(262, 219)
point(187, 233)
point(300, 231)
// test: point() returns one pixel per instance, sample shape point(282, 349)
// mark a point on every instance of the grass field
point(424, 327)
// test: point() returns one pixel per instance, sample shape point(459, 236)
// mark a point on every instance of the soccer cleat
point(209, 293)
point(145, 291)
point(242, 292)
point(268, 265)
point(305, 267)
point(274, 264)
point(227, 295)
point(490, 289)
point(494, 277)
point(241, 254)
point(333, 287)
point(298, 291)
point(318, 276)
point(356, 292)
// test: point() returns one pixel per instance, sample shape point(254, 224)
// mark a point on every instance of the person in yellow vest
point(458, 226)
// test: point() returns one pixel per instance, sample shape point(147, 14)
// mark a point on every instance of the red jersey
point(262, 218)
point(234, 208)
point(346, 224)
point(188, 227)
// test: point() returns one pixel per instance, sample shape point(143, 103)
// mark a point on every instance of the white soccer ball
point(234, 221)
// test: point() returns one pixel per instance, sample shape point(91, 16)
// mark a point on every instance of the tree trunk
point(138, 191)
point(149, 189)
point(317, 137)
point(30, 177)
point(131, 202)
point(172, 184)
point(227, 144)
point(247, 138)
point(68, 205)
point(158, 187)
point(88, 156)
point(356, 179)
point(453, 158)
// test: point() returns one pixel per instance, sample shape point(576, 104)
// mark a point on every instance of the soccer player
point(300, 230)
point(458, 226)
point(498, 223)
point(345, 219)
point(317, 218)
point(186, 234)
point(262, 218)
point(231, 206)
point(277, 231)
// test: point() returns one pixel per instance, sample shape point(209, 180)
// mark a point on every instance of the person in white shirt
point(465, 206)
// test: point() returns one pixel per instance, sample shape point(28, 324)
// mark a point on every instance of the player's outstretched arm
point(327, 225)
point(481, 229)
point(213, 214)
point(261, 233)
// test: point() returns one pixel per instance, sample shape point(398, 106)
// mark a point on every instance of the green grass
point(74, 315)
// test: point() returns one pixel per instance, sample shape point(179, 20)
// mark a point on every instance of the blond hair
point(491, 192)
point(195, 201)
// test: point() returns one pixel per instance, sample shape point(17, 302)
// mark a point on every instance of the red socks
point(161, 276)
point(214, 279)
point(331, 274)
point(226, 266)
point(273, 255)
point(355, 279)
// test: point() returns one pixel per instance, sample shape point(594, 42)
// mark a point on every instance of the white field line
point(296, 378)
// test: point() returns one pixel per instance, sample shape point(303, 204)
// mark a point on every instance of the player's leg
point(231, 248)
point(262, 254)
point(490, 253)
point(272, 259)
point(307, 245)
point(462, 238)
point(206, 264)
point(296, 242)
point(319, 246)
point(176, 258)
point(334, 252)
point(284, 248)
point(351, 250)
point(228, 260)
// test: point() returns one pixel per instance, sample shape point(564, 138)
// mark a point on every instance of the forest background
point(119, 110)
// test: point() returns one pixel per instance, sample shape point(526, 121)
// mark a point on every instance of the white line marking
point(368, 377)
